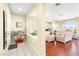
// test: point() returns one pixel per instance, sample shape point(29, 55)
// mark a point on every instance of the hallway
point(69, 49)
point(22, 22)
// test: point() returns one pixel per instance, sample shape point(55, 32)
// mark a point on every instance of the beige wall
point(38, 43)
point(7, 12)
point(17, 18)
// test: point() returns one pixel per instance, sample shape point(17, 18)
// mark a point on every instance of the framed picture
point(18, 24)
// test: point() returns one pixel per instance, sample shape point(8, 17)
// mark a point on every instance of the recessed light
point(20, 9)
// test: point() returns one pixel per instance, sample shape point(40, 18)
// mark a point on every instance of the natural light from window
point(71, 24)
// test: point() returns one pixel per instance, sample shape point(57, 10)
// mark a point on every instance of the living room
point(62, 31)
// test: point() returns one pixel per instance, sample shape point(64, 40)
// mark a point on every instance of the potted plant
point(34, 33)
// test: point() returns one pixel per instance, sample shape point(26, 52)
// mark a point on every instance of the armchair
point(49, 37)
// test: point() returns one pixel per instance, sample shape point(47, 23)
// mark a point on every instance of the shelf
point(32, 36)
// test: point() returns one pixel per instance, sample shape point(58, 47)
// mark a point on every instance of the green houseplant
point(34, 33)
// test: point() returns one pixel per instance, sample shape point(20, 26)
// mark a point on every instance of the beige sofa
point(64, 37)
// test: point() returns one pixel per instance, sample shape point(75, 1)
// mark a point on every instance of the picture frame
point(18, 24)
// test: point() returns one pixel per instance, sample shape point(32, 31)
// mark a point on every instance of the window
point(70, 25)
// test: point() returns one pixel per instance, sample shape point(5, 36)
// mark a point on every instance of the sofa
point(64, 36)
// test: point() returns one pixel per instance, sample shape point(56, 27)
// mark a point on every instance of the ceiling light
point(20, 9)
point(58, 4)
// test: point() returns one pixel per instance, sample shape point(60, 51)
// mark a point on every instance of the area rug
point(13, 46)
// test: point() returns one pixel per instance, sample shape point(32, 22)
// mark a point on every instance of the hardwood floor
point(60, 49)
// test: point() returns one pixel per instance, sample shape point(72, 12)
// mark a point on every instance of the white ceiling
point(20, 8)
point(63, 11)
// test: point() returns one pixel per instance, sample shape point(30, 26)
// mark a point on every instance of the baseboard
point(60, 42)
point(64, 42)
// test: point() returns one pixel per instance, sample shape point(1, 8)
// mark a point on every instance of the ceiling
point(62, 11)
point(20, 8)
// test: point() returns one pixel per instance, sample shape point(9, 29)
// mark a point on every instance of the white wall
point(17, 18)
point(31, 24)
point(38, 43)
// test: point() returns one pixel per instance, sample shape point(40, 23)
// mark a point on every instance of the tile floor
point(22, 50)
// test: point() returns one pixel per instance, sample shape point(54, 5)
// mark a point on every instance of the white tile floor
point(22, 50)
